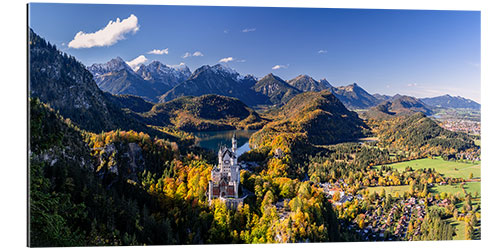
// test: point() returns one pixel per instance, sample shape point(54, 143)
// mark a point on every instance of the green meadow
point(470, 187)
point(447, 168)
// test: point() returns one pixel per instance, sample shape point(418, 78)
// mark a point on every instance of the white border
point(13, 104)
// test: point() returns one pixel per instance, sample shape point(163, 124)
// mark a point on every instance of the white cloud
point(241, 60)
point(159, 51)
point(226, 31)
point(249, 30)
point(412, 84)
point(136, 63)
point(107, 36)
point(280, 67)
point(322, 51)
point(226, 59)
point(196, 53)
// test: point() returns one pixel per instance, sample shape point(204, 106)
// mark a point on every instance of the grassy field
point(390, 189)
point(459, 228)
point(470, 187)
point(447, 168)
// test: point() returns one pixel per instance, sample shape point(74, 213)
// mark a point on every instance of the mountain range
point(447, 101)
point(219, 80)
point(148, 82)
point(157, 82)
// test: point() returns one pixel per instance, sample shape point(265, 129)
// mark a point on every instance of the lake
point(213, 139)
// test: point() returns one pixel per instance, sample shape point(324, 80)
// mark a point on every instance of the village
point(466, 126)
point(388, 222)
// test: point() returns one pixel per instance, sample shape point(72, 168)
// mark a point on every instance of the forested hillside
point(423, 135)
point(85, 191)
point(203, 113)
point(319, 116)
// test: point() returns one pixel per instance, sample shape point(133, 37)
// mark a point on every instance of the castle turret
point(220, 156)
point(235, 146)
point(210, 191)
point(234, 158)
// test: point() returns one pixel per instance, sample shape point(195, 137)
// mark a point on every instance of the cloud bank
point(136, 63)
point(107, 36)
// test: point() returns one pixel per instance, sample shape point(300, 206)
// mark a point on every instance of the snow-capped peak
point(220, 68)
point(115, 64)
point(180, 66)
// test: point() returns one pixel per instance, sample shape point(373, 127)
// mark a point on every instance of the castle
point(225, 179)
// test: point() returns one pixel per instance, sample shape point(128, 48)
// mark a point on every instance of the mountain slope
point(65, 84)
point(160, 74)
point(408, 104)
point(399, 105)
point(381, 98)
point(306, 83)
point(319, 116)
point(204, 113)
point(447, 101)
point(354, 97)
point(123, 82)
point(130, 102)
point(278, 91)
point(218, 80)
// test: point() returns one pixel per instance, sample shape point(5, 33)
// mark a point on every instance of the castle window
point(226, 162)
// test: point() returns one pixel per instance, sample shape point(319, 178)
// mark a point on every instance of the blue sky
point(413, 52)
